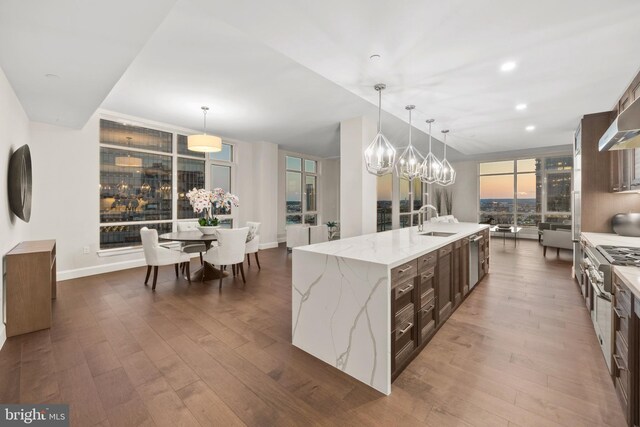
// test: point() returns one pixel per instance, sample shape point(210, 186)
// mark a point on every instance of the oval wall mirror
point(19, 183)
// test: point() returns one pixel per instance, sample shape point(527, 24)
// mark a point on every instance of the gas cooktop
point(621, 255)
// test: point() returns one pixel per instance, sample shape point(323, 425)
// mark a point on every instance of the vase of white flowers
point(206, 201)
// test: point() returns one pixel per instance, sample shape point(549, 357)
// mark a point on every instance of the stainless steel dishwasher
point(474, 265)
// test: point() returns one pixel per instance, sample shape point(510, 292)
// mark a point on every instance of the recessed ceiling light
point(521, 107)
point(52, 76)
point(375, 57)
point(530, 128)
point(508, 66)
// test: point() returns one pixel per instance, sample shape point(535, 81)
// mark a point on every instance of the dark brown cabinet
point(405, 297)
point(464, 267)
point(445, 288)
point(456, 276)
point(626, 312)
point(424, 293)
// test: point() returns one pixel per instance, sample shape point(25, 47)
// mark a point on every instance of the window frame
point(544, 174)
point(303, 179)
point(174, 155)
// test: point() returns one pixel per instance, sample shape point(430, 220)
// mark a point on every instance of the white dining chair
point(230, 250)
point(253, 242)
point(318, 233)
point(297, 235)
point(191, 248)
point(156, 255)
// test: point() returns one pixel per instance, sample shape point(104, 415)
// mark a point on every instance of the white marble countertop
point(630, 276)
point(612, 239)
point(394, 247)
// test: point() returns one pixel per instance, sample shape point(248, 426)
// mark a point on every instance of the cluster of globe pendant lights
point(380, 155)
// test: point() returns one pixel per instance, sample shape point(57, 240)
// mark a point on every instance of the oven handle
point(599, 292)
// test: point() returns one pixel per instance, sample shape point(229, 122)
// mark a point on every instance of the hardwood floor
point(520, 350)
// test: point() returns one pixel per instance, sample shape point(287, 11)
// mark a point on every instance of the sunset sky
point(491, 186)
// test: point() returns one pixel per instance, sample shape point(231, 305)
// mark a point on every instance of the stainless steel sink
point(437, 234)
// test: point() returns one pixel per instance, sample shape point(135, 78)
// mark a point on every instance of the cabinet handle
point(404, 270)
point(404, 331)
point(403, 290)
point(620, 316)
point(619, 290)
point(615, 360)
point(428, 309)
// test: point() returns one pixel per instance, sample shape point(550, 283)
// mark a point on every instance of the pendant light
point(410, 161)
point(204, 143)
point(448, 173)
point(380, 156)
point(128, 161)
point(431, 170)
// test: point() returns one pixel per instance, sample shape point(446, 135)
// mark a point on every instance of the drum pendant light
point(380, 156)
point(448, 173)
point(410, 161)
point(204, 143)
point(431, 167)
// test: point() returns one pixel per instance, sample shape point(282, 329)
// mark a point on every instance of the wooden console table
point(30, 284)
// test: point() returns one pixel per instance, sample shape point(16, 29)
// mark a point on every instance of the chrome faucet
point(421, 213)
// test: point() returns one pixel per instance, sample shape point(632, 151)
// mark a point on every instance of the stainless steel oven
point(597, 274)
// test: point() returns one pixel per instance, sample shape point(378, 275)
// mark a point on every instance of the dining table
point(207, 271)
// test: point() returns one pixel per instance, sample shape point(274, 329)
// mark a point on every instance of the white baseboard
point(3, 335)
point(123, 265)
point(269, 245)
point(99, 269)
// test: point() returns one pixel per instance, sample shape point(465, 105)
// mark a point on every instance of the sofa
point(558, 239)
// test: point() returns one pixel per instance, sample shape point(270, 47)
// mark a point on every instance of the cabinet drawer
point(621, 374)
point(445, 250)
point(404, 317)
point(428, 260)
point(427, 322)
point(621, 321)
point(404, 353)
point(621, 348)
point(623, 297)
point(405, 335)
point(457, 244)
point(404, 294)
point(426, 277)
point(622, 395)
point(427, 297)
point(404, 271)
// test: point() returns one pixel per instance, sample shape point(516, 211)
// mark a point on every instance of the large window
point(138, 186)
point(301, 190)
point(526, 191)
point(385, 201)
point(410, 201)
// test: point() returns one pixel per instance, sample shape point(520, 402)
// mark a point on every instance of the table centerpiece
point(205, 201)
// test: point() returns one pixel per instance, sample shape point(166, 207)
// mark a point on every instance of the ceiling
point(289, 71)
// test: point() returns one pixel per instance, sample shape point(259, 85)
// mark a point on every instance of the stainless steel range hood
point(624, 132)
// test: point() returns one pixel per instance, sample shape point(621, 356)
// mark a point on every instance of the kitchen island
point(368, 304)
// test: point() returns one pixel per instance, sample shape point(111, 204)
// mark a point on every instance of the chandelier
point(409, 163)
point(380, 156)
point(128, 161)
point(431, 169)
point(204, 143)
point(448, 173)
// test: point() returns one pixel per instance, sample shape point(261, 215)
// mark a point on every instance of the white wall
point(265, 189)
point(330, 188)
point(358, 188)
point(465, 191)
point(66, 204)
point(14, 132)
